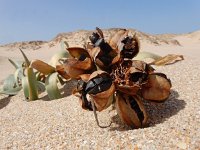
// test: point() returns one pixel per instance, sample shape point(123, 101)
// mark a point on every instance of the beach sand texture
point(62, 124)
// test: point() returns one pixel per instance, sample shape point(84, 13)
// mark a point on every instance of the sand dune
point(63, 124)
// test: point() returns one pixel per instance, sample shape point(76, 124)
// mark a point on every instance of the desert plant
point(34, 81)
point(107, 72)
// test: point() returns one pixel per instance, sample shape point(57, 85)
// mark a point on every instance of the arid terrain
point(62, 124)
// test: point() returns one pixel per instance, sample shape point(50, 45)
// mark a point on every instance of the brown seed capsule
point(129, 47)
point(101, 89)
point(117, 38)
point(129, 75)
point(103, 55)
point(79, 64)
point(131, 110)
point(157, 88)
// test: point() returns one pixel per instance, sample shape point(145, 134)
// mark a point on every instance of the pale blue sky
point(23, 20)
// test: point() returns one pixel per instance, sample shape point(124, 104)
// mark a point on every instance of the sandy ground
point(62, 124)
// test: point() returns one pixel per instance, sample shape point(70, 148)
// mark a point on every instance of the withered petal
point(85, 77)
point(99, 31)
point(131, 110)
point(129, 46)
point(61, 70)
point(77, 52)
point(42, 67)
point(94, 52)
point(104, 99)
point(141, 66)
point(117, 37)
point(157, 88)
point(69, 68)
point(127, 89)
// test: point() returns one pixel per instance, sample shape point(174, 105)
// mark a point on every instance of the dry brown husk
point(157, 88)
point(104, 99)
point(127, 114)
point(167, 60)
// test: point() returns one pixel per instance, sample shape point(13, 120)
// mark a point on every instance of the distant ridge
point(81, 36)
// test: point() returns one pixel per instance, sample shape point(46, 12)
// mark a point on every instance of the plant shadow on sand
point(65, 91)
point(157, 112)
point(5, 101)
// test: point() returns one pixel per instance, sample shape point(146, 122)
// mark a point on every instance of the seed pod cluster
point(107, 74)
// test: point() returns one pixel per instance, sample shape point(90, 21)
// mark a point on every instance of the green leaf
point(25, 58)
point(25, 87)
point(10, 92)
point(9, 82)
point(16, 64)
point(64, 45)
point(32, 82)
point(54, 60)
point(51, 86)
point(41, 86)
point(18, 76)
point(9, 86)
point(145, 55)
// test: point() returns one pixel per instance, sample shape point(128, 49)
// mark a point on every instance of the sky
point(25, 20)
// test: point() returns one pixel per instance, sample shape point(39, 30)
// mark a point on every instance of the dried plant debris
point(107, 74)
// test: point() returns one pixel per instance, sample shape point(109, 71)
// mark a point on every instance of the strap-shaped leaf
point(167, 60)
point(145, 55)
point(16, 64)
point(32, 83)
point(158, 60)
point(25, 87)
point(25, 58)
point(64, 45)
point(51, 86)
point(42, 67)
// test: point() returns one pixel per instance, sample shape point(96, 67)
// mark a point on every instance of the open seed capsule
point(157, 88)
point(79, 64)
point(131, 110)
point(102, 53)
point(101, 89)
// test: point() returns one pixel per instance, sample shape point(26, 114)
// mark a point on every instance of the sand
point(62, 124)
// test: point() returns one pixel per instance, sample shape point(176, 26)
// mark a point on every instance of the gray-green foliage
point(33, 82)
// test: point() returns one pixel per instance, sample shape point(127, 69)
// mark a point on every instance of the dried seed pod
point(129, 47)
point(102, 53)
point(117, 38)
point(101, 89)
point(81, 94)
point(138, 72)
point(131, 110)
point(82, 56)
point(129, 75)
point(79, 64)
point(97, 38)
point(157, 88)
